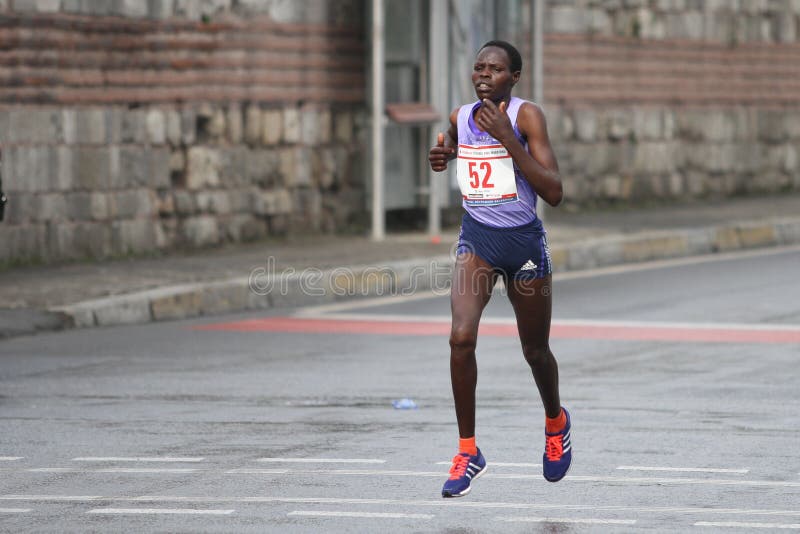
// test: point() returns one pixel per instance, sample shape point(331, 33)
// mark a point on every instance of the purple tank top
point(509, 214)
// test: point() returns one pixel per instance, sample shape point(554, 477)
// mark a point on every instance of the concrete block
point(21, 209)
point(122, 310)
point(324, 126)
point(757, 235)
point(726, 238)
point(225, 297)
point(92, 206)
point(50, 207)
point(90, 126)
point(91, 167)
point(59, 241)
point(617, 124)
point(161, 9)
point(655, 157)
point(262, 167)
point(295, 164)
point(200, 231)
point(37, 6)
point(565, 19)
point(234, 126)
point(253, 129)
point(647, 124)
point(156, 126)
point(291, 125)
point(29, 168)
point(133, 128)
point(130, 8)
point(92, 240)
point(159, 167)
point(188, 126)
point(133, 204)
point(203, 168)
point(241, 200)
point(62, 177)
point(309, 125)
point(272, 127)
point(700, 241)
point(585, 124)
point(178, 305)
point(69, 126)
point(134, 167)
point(343, 126)
point(216, 126)
point(787, 231)
point(33, 125)
point(133, 236)
point(273, 202)
point(213, 202)
point(173, 127)
point(184, 202)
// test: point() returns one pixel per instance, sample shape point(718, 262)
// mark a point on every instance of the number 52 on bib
point(486, 175)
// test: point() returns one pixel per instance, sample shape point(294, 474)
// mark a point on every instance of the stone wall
point(669, 100)
point(128, 127)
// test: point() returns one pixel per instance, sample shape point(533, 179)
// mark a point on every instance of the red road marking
point(557, 331)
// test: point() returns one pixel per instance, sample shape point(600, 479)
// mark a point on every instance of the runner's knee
point(537, 355)
point(463, 339)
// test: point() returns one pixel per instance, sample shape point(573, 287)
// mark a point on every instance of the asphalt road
point(681, 377)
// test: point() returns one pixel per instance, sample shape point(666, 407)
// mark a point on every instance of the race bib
point(486, 175)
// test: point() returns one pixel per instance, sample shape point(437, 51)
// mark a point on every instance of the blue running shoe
point(558, 452)
point(465, 469)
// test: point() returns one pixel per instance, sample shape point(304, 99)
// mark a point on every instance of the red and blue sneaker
point(465, 469)
point(558, 452)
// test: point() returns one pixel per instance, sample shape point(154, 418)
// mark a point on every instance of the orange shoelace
point(460, 463)
point(554, 448)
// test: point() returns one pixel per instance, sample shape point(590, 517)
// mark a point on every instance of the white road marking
point(158, 511)
point(137, 459)
point(369, 515)
point(355, 472)
point(14, 510)
point(558, 507)
point(682, 469)
point(403, 473)
point(10, 458)
point(585, 521)
point(324, 460)
point(735, 524)
point(501, 464)
point(107, 470)
point(528, 476)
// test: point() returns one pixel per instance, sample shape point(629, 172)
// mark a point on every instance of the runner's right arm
point(445, 148)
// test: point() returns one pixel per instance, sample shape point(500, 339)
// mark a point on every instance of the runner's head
point(496, 70)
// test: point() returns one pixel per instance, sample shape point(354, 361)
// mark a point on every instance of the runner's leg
point(473, 280)
point(532, 302)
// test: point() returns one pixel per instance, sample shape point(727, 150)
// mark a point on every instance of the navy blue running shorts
point(518, 252)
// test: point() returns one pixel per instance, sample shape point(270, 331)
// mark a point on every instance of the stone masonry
point(194, 140)
point(128, 127)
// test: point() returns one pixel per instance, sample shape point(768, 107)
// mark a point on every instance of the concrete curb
point(264, 290)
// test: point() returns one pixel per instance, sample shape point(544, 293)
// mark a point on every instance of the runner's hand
point(440, 154)
point(494, 121)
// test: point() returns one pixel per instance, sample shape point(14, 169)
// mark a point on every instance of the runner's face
point(491, 74)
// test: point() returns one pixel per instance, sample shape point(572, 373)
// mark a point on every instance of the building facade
point(133, 126)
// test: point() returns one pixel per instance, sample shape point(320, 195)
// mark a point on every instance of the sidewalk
point(220, 280)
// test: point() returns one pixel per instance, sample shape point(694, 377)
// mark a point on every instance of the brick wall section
point(591, 70)
point(128, 135)
point(78, 59)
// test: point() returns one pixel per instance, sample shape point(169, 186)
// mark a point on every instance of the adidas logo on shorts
point(529, 266)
